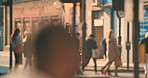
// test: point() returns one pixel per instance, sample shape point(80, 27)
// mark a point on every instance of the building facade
point(28, 13)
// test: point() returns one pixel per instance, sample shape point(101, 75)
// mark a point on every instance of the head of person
point(54, 52)
point(77, 35)
point(146, 36)
point(110, 34)
point(16, 33)
point(92, 36)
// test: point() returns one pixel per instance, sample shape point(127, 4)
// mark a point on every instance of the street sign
point(120, 14)
point(143, 26)
point(118, 5)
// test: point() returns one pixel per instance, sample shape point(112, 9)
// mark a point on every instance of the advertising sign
point(143, 26)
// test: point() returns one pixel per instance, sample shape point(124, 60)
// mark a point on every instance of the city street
point(88, 73)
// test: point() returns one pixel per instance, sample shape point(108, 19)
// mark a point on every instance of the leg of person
point(78, 70)
point(104, 67)
point(30, 63)
point(95, 62)
point(107, 68)
point(16, 62)
point(116, 71)
point(26, 63)
point(85, 62)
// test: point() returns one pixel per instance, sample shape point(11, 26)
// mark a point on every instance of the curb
point(91, 76)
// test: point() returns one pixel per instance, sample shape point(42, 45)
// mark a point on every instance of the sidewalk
point(4, 62)
point(89, 70)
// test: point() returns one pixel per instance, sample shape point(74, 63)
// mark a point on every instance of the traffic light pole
point(135, 38)
point(74, 19)
point(84, 21)
point(120, 37)
point(11, 26)
point(128, 44)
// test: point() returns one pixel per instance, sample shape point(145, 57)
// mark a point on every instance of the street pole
point(135, 37)
point(11, 26)
point(84, 22)
point(128, 44)
point(74, 19)
point(119, 38)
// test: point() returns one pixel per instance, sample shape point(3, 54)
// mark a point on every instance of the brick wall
point(26, 14)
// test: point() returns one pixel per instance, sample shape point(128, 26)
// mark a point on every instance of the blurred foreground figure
point(55, 55)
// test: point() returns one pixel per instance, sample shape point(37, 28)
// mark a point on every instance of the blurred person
point(54, 53)
point(16, 43)
point(77, 49)
point(145, 41)
point(104, 46)
point(87, 53)
point(28, 51)
point(113, 54)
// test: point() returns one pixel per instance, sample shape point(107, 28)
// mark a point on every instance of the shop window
point(35, 22)
point(55, 20)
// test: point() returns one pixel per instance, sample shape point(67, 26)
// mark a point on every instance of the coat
point(28, 48)
point(112, 50)
point(145, 41)
point(89, 45)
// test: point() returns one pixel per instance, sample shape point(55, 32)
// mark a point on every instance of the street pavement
point(89, 70)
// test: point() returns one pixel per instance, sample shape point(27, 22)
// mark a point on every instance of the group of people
point(57, 54)
point(110, 49)
point(21, 47)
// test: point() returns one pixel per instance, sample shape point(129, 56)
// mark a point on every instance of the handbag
point(18, 49)
point(95, 53)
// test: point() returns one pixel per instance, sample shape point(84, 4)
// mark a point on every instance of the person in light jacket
point(112, 54)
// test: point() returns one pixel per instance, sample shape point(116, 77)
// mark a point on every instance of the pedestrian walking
point(28, 51)
point(113, 54)
point(76, 42)
point(145, 42)
point(90, 44)
point(17, 48)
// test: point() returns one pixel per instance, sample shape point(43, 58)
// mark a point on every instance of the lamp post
point(9, 3)
point(135, 37)
point(84, 21)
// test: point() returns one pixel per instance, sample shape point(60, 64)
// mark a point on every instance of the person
point(113, 54)
point(87, 53)
point(145, 41)
point(54, 53)
point(28, 51)
point(17, 40)
point(77, 49)
point(104, 46)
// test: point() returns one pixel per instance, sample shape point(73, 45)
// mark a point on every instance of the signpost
point(120, 14)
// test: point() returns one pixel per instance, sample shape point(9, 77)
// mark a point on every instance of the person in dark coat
point(76, 42)
point(87, 53)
